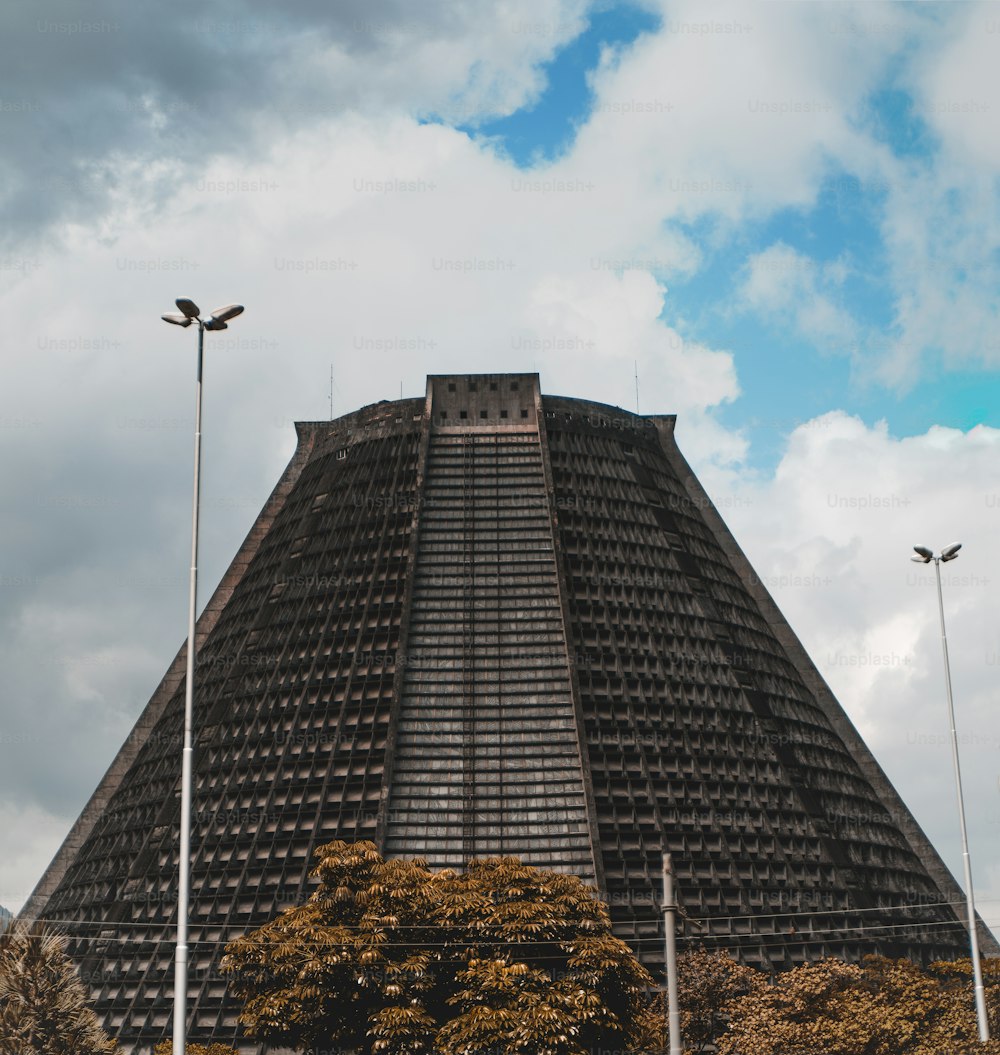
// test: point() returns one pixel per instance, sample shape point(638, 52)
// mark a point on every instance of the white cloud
point(31, 837)
point(941, 228)
point(940, 219)
point(732, 121)
point(787, 287)
point(955, 85)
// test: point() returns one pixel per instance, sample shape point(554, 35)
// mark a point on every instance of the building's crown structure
point(494, 622)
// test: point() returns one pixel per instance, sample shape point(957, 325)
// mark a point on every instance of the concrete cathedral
point(489, 621)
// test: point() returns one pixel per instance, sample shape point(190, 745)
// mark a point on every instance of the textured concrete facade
point(488, 622)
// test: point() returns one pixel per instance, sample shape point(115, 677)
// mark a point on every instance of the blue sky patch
point(547, 130)
point(839, 232)
point(890, 117)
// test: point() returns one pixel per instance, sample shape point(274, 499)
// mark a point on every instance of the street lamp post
point(925, 556)
point(216, 321)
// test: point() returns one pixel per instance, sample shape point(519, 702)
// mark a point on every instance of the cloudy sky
point(783, 217)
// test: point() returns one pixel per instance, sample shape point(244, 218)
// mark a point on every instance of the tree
point(708, 984)
point(882, 1007)
point(389, 958)
point(955, 977)
point(43, 1003)
point(165, 1047)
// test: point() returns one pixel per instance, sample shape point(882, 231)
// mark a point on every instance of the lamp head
point(951, 552)
point(177, 320)
point(188, 307)
point(924, 555)
point(227, 312)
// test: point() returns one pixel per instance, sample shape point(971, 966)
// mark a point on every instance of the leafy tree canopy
point(708, 983)
point(166, 1047)
point(881, 1007)
point(389, 958)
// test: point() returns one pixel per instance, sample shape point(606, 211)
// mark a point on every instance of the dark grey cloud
point(113, 96)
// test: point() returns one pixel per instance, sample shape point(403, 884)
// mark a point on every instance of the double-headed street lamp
point(925, 556)
point(190, 313)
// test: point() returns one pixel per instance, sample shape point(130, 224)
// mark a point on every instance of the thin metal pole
point(184, 862)
point(669, 920)
point(977, 971)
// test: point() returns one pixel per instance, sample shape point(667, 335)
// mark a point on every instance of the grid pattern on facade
point(293, 700)
point(469, 628)
point(703, 740)
point(487, 755)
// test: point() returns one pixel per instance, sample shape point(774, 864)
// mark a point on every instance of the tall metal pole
point(977, 971)
point(669, 920)
point(184, 863)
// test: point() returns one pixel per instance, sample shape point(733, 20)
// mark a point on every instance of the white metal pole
point(669, 920)
point(184, 862)
point(977, 970)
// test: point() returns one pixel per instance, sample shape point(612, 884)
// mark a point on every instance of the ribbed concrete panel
point(702, 736)
point(487, 756)
point(294, 692)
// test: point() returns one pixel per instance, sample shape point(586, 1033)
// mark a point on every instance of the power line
point(807, 937)
point(658, 918)
point(799, 937)
point(832, 912)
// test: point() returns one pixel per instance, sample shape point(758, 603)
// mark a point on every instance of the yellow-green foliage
point(392, 959)
point(880, 1007)
point(388, 958)
point(165, 1047)
point(43, 1004)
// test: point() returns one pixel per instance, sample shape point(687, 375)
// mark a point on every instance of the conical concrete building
point(485, 622)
